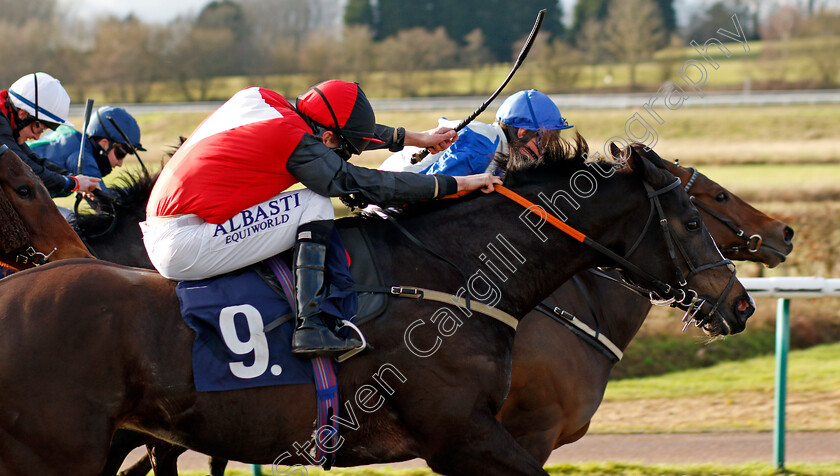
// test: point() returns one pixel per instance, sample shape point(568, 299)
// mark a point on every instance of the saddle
point(363, 267)
point(371, 291)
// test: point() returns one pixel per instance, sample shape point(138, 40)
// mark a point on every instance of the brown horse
point(430, 388)
point(558, 379)
point(540, 420)
point(32, 230)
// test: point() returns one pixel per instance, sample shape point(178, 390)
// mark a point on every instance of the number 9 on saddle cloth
point(239, 343)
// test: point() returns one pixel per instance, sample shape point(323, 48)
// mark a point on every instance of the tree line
point(125, 57)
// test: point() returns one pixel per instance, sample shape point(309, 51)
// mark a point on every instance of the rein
point(663, 293)
point(28, 255)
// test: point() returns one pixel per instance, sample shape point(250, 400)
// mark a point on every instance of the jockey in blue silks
point(526, 124)
point(106, 147)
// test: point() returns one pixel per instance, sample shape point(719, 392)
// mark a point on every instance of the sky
point(149, 11)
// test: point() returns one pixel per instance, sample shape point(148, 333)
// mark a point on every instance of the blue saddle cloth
point(228, 313)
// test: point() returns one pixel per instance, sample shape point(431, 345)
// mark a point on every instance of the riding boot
point(315, 333)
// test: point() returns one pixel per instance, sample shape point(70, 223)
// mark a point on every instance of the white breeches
point(185, 247)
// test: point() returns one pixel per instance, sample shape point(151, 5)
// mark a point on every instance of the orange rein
point(538, 210)
point(531, 207)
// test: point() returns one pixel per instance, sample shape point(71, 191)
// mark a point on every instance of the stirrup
point(350, 353)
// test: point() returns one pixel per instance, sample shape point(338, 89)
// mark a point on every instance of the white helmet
point(43, 97)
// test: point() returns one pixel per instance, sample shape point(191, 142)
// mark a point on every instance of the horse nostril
point(745, 307)
point(788, 234)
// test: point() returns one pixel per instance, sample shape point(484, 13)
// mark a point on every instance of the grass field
point(727, 396)
point(790, 63)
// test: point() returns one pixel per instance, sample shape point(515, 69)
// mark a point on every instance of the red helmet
point(342, 107)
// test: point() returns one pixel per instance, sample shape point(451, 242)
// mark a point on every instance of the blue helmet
point(102, 125)
point(531, 110)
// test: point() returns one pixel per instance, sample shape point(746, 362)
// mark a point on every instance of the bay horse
point(558, 378)
point(130, 362)
point(32, 230)
point(540, 420)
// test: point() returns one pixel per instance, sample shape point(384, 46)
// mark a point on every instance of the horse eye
point(693, 225)
point(24, 191)
point(721, 197)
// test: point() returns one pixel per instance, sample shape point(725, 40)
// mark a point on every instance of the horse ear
point(652, 170)
point(617, 154)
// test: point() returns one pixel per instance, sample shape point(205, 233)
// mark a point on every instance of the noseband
point(751, 243)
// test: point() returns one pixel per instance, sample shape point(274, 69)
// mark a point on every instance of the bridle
point(751, 243)
point(26, 254)
point(659, 292)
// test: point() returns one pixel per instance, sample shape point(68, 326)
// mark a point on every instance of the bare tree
point(414, 50)
point(357, 48)
point(632, 32)
point(559, 63)
point(125, 58)
point(320, 57)
point(24, 50)
point(781, 24)
point(592, 45)
point(823, 57)
point(16, 12)
point(475, 55)
point(198, 58)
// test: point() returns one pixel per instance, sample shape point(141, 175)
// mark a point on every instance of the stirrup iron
point(350, 353)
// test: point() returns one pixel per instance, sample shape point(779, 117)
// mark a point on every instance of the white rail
point(792, 287)
point(786, 288)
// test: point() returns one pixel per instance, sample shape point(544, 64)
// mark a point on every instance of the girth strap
point(594, 338)
point(432, 295)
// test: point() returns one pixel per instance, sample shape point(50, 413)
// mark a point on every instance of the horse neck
point(505, 261)
point(123, 243)
point(619, 312)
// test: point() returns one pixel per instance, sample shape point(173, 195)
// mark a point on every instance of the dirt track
point(726, 448)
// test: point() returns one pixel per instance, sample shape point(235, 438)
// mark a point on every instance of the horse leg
point(62, 450)
point(123, 442)
point(140, 468)
point(217, 466)
point(481, 446)
point(166, 458)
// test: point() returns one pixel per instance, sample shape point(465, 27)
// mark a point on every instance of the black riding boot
point(313, 336)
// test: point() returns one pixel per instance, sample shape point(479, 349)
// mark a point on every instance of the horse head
point(33, 230)
point(741, 231)
point(691, 273)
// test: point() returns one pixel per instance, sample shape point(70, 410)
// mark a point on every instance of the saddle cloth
point(239, 343)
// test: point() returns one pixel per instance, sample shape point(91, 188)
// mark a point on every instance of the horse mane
point(132, 190)
point(560, 154)
point(13, 233)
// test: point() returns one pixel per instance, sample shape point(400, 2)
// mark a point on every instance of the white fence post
point(785, 288)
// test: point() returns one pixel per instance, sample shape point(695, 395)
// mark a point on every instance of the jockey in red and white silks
point(223, 201)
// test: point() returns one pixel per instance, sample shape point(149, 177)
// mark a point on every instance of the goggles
point(119, 150)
